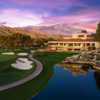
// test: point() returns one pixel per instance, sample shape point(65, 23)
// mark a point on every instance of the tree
point(16, 41)
point(97, 36)
point(98, 33)
point(83, 31)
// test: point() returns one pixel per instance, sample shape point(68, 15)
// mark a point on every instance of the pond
point(71, 84)
point(61, 82)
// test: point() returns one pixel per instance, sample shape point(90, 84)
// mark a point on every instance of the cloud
point(80, 13)
point(85, 19)
point(42, 4)
point(81, 16)
point(15, 17)
point(39, 1)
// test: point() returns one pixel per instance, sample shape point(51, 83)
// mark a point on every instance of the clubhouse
point(74, 42)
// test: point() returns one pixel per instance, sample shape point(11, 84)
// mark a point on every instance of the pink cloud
point(85, 19)
point(15, 17)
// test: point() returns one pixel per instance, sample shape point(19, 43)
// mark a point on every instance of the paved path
point(38, 70)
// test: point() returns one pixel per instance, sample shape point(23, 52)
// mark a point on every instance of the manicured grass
point(9, 74)
point(6, 57)
point(50, 58)
point(5, 61)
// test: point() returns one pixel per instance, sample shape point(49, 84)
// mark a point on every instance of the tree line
point(17, 40)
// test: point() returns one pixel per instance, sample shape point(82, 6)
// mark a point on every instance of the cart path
point(38, 70)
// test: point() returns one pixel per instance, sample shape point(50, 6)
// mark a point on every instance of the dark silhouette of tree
point(19, 40)
point(98, 33)
point(97, 78)
point(83, 31)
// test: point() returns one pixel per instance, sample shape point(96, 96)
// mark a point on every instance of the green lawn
point(5, 61)
point(50, 58)
point(9, 74)
point(6, 57)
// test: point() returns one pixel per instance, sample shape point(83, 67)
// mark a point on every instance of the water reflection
point(77, 69)
point(71, 82)
point(58, 82)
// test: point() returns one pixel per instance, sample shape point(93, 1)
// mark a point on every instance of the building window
point(77, 44)
point(89, 36)
point(77, 49)
point(80, 36)
point(70, 44)
point(53, 43)
point(84, 44)
point(93, 44)
point(70, 49)
point(88, 44)
point(61, 43)
point(64, 44)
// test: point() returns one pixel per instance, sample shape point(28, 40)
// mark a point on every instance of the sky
point(79, 13)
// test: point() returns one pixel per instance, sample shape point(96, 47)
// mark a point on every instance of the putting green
point(9, 74)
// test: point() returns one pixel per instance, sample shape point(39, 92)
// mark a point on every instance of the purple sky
point(81, 13)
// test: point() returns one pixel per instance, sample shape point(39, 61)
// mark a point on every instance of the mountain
point(9, 30)
point(56, 29)
point(53, 31)
point(33, 32)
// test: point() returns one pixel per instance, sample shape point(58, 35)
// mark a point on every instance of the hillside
point(8, 31)
point(33, 32)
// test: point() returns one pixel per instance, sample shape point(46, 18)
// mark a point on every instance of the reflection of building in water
point(97, 78)
point(76, 69)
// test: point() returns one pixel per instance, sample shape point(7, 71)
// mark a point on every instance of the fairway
point(9, 74)
point(5, 61)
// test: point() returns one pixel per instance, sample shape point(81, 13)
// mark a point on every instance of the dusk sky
point(78, 13)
